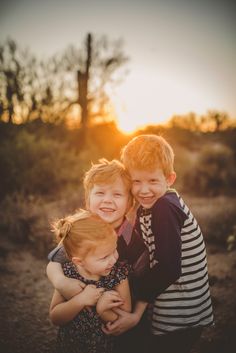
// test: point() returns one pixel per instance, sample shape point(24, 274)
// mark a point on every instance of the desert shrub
point(213, 173)
point(184, 161)
point(216, 216)
point(26, 220)
point(34, 165)
point(18, 214)
point(188, 139)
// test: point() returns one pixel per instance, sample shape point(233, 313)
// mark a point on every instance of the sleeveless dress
point(84, 333)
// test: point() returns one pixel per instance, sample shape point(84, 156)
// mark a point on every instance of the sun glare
point(152, 98)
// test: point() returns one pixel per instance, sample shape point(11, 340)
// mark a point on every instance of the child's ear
point(76, 260)
point(171, 179)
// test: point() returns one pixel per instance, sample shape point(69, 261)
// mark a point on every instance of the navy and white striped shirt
point(177, 282)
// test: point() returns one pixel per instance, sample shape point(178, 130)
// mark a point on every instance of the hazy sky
point(182, 52)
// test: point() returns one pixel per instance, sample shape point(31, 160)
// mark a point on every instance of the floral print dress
point(84, 333)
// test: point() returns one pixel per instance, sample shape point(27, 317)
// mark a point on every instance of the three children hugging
point(130, 278)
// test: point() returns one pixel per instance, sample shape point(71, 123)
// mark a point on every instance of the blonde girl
point(90, 244)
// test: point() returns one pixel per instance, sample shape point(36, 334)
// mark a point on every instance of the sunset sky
point(182, 52)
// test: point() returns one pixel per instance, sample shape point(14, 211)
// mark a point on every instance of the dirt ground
point(25, 295)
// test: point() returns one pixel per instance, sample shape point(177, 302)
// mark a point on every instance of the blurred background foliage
point(42, 167)
point(43, 159)
point(45, 149)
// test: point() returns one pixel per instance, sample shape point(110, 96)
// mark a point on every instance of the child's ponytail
point(61, 228)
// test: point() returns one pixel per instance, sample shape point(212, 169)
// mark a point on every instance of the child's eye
point(99, 193)
point(135, 181)
point(154, 181)
point(104, 258)
point(117, 194)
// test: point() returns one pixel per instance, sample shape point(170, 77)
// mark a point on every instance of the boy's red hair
point(148, 152)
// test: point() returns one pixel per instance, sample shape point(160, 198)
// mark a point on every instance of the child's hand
point(124, 322)
point(69, 287)
point(108, 300)
point(90, 295)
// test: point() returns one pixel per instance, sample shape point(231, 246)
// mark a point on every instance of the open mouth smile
point(146, 198)
point(107, 210)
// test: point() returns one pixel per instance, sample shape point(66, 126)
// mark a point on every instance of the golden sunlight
point(153, 98)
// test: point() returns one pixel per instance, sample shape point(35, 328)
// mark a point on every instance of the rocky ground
point(25, 295)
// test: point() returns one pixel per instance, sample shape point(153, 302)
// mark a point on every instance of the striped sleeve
point(187, 302)
point(165, 250)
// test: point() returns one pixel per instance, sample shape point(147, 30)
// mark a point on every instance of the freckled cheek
point(93, 207)
point(134, 189)
point(126, 203)
point(95, 201)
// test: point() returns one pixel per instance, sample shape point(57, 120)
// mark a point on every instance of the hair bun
point(62, 228)
point(66, 227)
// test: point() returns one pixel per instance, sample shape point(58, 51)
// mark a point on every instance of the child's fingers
point(118, 311)
point(111, 326)
point(111, 301)
point(116, 304)
point(105, 330)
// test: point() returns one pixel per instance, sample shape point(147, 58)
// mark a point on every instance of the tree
point(51, 89)
point(212, 121)
point(83, 79)
point(11, 75)
point(97, 65)
point(216, 121)
point(189, 122)
point(25, 90)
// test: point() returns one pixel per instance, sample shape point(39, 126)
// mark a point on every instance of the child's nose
point(144, 188)
point(107, 198)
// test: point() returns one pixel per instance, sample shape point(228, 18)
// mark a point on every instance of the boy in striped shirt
point(176, 285)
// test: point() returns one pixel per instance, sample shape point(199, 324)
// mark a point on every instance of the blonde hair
point(106, 172)
point(81, 232)
point(148, 152)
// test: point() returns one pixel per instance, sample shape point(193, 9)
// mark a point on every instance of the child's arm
point(68, 287)
point(126, 320)
point(108, 301)
point(167, 222)
point(111, 299)
point(62, 311)
point(124, 290)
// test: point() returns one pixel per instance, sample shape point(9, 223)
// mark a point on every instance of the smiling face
point(99, 261)
point(149, 186)
point(110, 201)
